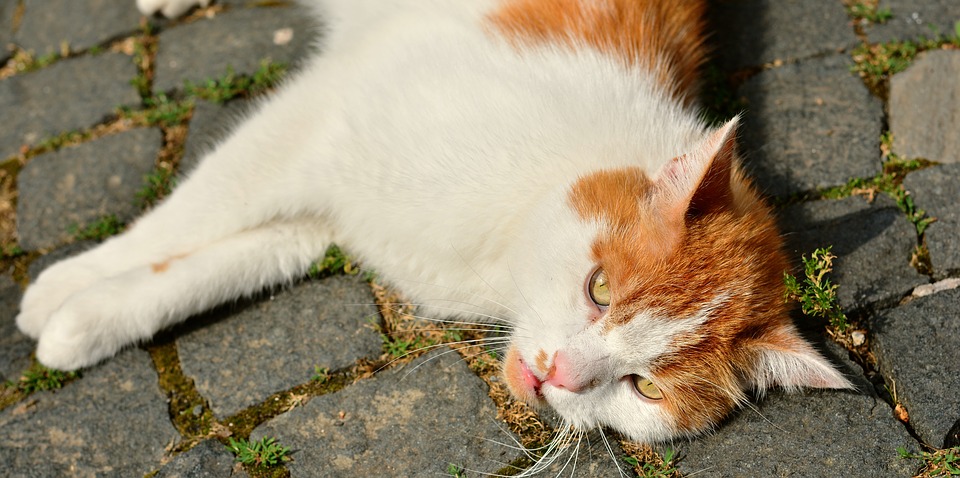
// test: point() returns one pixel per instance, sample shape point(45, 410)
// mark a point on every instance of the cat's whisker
point(472, 269)
point(500, 321)
point(524, 297)
point(613, 456)
point(471, 294)
point(433, 346)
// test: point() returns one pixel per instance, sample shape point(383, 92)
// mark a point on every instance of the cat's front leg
point(116, 311)
point(169, 8)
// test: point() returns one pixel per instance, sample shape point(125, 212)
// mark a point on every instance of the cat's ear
point(788, 361)
point(699, 181)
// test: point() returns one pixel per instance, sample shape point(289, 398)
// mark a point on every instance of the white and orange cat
point(539, 162)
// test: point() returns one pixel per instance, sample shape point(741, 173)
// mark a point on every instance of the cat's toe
point(77, 335)
point(36, 308)
point(169, 8)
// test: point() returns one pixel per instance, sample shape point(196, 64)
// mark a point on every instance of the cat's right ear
point(699, 181)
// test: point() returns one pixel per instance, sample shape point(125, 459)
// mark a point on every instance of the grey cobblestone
point(937, 191)
point(79, 24)
point(925, 108)
point(273, 344)
point(78, 185)
point(15, 348)
point(810, 125)
point(429, 414)
point(239, 39)
point(917, 350)
point(913, 20)
point(112, 422)
point(40, 104)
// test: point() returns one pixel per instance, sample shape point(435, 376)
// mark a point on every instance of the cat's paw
point(87, 328)
point(169, 8)
point(50, 291)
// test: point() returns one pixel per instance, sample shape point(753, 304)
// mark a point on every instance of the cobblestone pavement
point(106, 99)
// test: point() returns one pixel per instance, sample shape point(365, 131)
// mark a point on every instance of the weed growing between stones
point(455, 471)
point(156, 186)
point(232, 85)
point(260, 455)
point(647, 463)
point(890, 182)
point(35, 379)
point(867, 11)
point(878, 62)
point(99, 230)
point(937, 463)
point(189, 411)
point(816, 295)
point(334, 262)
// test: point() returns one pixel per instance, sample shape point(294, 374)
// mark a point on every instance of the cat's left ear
point(699, 181)
point(788, 361)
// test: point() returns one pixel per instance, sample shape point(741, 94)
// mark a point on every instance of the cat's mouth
point(522, 381)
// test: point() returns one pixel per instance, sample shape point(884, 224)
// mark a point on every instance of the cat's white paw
point(86, 329)
point(169, 8)
point(54, 286)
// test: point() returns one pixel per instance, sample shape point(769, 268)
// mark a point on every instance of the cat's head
point(656, 303)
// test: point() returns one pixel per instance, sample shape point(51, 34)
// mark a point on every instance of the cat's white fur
point(433, 150)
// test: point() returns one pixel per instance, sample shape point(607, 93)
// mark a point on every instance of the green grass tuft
point(232, 85)
point(156, 186)
point(334, 262)
point(260, 454)
point(40, 378)
point(869, 12)
point(103, 228)
point(937, 463)
point(816, 295)
point(661, 469)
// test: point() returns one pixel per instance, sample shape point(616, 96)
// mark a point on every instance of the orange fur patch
point(541, 361)
point(667, 38)
point(161, 267)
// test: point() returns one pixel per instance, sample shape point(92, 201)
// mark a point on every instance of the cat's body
point(487, 158)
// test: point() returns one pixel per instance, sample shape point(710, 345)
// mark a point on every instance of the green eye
point(646, 387)
point(599, 289)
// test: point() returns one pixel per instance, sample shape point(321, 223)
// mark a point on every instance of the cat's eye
point(599, 289)
point(646, 387)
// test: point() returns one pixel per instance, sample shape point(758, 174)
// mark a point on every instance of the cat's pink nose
point(564, 375)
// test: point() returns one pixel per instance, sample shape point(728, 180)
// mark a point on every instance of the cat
point(538, 163)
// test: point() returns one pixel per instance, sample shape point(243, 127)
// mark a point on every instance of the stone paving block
point(873, 244)
point(756, 32)
point(810, 125)
point(78, 185)
point(239, 38)
point(80, 23)
point(925, 108)
point(809, 433)
point(6, 29)
point(111, 422)
point(209, 459)
point(68, 95)
point(913, 19)
point(211, 124)
point(411, 421)
point(916, 345)
point(273, 344)
point(937, 191)
point(15, 348)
